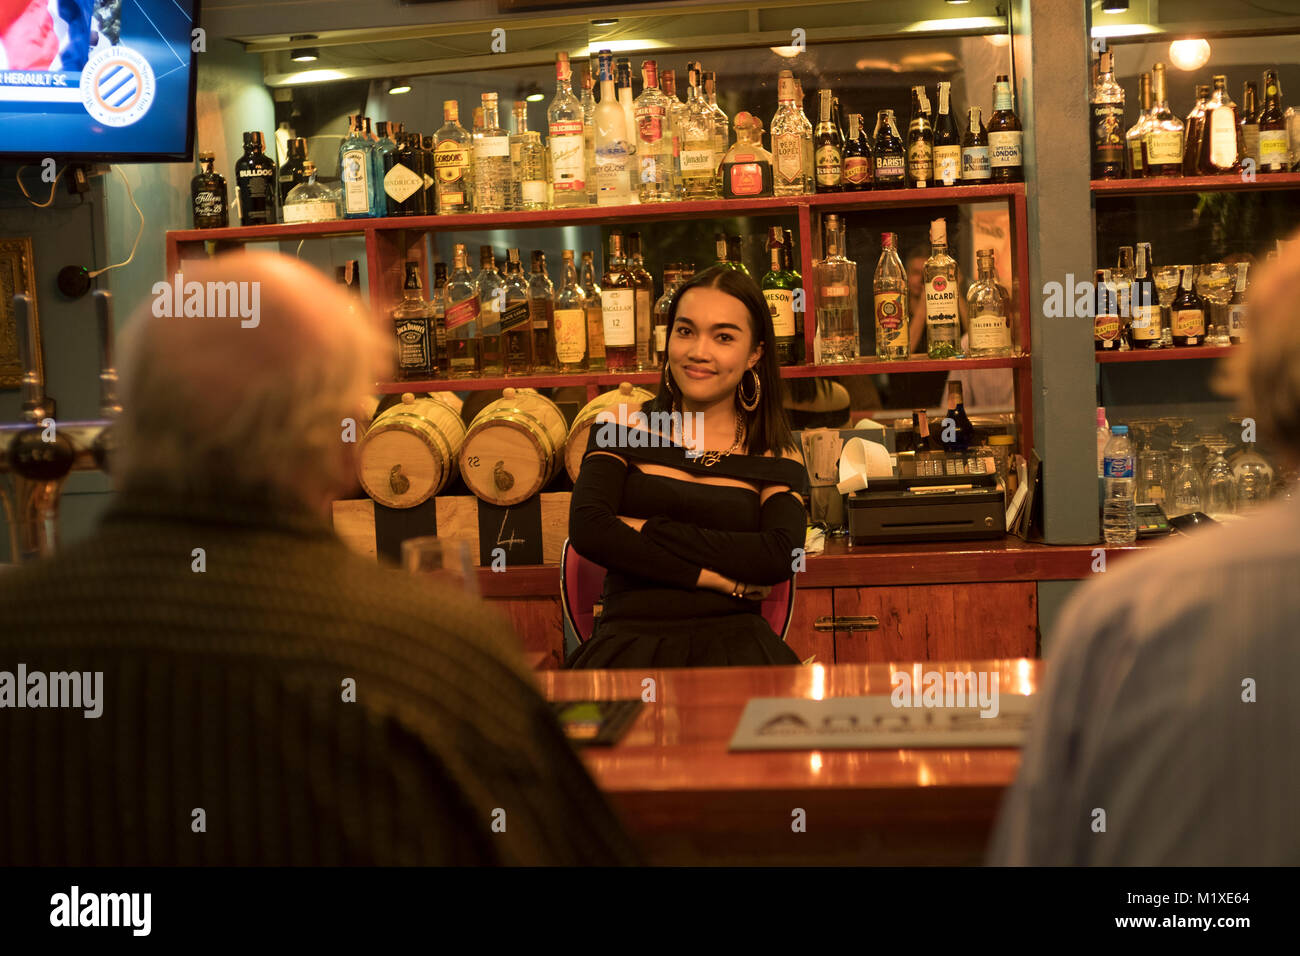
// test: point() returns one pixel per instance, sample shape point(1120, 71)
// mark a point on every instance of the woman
point(693, 538)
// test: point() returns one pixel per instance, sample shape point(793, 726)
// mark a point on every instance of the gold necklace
point(711, 458)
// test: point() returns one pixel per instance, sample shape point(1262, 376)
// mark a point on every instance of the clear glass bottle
point(310, 201)
point(791, 176)
point(1006, 139)
point(779, 286)
point(699, 141)
point(721, 124)
point(644, 284)
point(589, 132)
point(1107, 122)
point(947, 141)
point(527, 163)
point(208, 195)
point(805, 124)
point(676, 116)
point(976, 166)
point(618, 309)
point(595, 319)
point(1220, 150)
point(889, 291)
point(255, 182)
point(920, 141)
point(613, 142)
point(493, 181)
point(568, 152)
point(890, 156)
point(451, 162)
point(1163, 149)
point(412, 318)
point(989, 308)
point(835, 281)
point(516, 321)
point(492, 303)
point(623, 93)
point(747, 166)
point(828, 147)
point(541, 308)
point(461, 318)
point(570, 318)
point(654, 139)
point(1195, 129)
point(1136, 135)
point(659, 337)
point(939, 276)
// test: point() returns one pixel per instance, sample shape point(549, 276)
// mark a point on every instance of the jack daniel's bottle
point(411, 321)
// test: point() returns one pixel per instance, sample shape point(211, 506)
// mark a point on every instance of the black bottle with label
point(208, 195)
point(255, 177)
point(405, 187)
point(291, 171)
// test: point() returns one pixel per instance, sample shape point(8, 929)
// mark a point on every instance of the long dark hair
point(768, 426)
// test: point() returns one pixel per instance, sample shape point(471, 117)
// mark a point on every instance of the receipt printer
point(930, 508)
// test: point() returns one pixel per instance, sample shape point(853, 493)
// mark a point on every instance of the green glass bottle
point(781, 286)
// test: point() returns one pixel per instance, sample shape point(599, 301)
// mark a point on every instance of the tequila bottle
point(721, 125)
point(492, 304)
point(595, 319)
point(835, 280)
point(613, 142)
point(942, 323)
point(493, 181)
point(747, 166)
point(1163, 149)
point(516, 322)
point(618, 309)
point(541, 312)
point(889, 289)
point(527, 163)
point(989, 308)
point(309, 201)
point(699, 142)
point(411, 320)
point(461, 316)
point(644, 285)
point(208, 195)
point(654, 146)
point(451, 162)
point(891, 159)
point(570, 320)
point(676, 117)
point(568, 141)
point(806, 126)
point(792, 177)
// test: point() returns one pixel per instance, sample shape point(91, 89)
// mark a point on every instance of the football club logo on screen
point(117, 86)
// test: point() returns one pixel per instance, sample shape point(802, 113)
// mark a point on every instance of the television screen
point(97, 80)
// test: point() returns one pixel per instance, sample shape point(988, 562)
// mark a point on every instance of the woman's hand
point(633, 523)
point(713, 581)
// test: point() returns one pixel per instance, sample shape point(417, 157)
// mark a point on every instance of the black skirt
point(729, 640)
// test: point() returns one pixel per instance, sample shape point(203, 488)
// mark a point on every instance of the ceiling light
point(306, 54)
point(606, 22)
point(956, 2)
point(786, 51)
point(397, 87)
point(1189, 54)
point(534, 94)
point(1114, 6)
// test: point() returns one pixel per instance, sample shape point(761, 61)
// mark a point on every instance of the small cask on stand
point(513, 448)
point(409, 452)
point(625, 394)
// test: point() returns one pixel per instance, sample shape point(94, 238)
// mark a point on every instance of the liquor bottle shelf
point(1194, 184)
point(612, 379)
point(1165, 355)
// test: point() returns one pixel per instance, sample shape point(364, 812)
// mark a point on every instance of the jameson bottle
point(595, 319)
point(890, 156)
point(947, 141)
point(857, 156)
point(829, 147)
point(411, 320)
point(942, 324)
point(208, 195)
point(570, 320)
point(255, 179)
point(1107, 122)
point(1274, 156)
point(1220, 152)
point(1006, 153)
point(618, 309)
point(920, 142)
point(1163, 149)
point(291, 170)
point(779, 287)
point(541, 311)
point(975, 167)
point(516, 323)
point(461, 316)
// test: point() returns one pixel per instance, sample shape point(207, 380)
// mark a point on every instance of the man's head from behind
point(218, 406)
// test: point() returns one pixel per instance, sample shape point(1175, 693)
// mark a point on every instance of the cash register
point(927, 508)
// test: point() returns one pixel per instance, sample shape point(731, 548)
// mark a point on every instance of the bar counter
point(689, 801)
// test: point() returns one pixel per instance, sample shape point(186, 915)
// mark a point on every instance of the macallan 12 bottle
point(618, 309)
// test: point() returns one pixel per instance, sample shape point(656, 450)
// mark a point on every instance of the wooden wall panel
point(539, 622)
point(809, 605)
point(994, 619)
point(907, 617)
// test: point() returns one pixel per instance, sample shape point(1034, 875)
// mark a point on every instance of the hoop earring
point(749, 404)
point(673, 396)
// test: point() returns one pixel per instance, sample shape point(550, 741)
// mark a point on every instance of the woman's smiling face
point(710, 346)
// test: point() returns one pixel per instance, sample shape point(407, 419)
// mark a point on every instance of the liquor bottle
point(208, 195)
point(1006, 140)
point(1106, 321)
point(451, 162)
point(947, 141)
point(792, 176)
point(291, 170)
point(371, 136)
point(564, 120)
point(734, 255)
point(442, 367)
point(699, 141)
point(989, 307)
point(589, 132)
point(809, 156)
point(720, 248)
point(890, 157)
point(402, 182)
point(493, 180)
point(835, 281)
point(428, 172)
point(654, 139)
point(516, 322)
point(1274, 154)
point(618, 309)
point(527, 163)
point(857, 156)
point(492, 304)
point(1237, 305)
point(461, 316)
point(1188, 312)
point(1163, 154)
point(309, 201)
point(1195, 128)
point(411, 320)
point(382, 156)
point(889, 288)
point(570, 318)
point(721, 124)
point(800, 302)
point(644, 285)
point(592, 308)
point(613, 142)
point(939, 276)
point(975, 165)
point(348, 275)
point(920, 142)
point(1107, 122)
point(1250, 111)
point(1145, 329)
point(623, 94)
point(779, 287)
point(255, 180)
point(676, 117)
point(1220, 152)
point(1136, 134)
point(411, 154)
point(659, 338)
point(828, 146)
point(956, 423)
point(921, 431)
point(747, 166)
point(541, 311)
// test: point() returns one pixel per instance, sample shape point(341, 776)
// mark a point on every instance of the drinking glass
point(1214, 283)
point(1220, 483)
point(445, 559)
point(1166, 281)
point(1153, 477)
point(1254, 479)
point(1142, 429)
point(1188, 489)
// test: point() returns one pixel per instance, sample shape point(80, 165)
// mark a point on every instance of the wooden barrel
point(409, 452)
point(625, 394)
point(513, 447)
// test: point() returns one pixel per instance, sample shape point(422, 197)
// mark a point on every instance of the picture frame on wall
point(17, 274)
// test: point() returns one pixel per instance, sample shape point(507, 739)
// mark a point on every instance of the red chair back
point(582, 581)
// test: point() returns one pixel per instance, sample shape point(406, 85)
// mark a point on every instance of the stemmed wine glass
point(1166, 282)
point(1220, 483)
point(1254, 479)
point(1214, 282)
point(1189, 490)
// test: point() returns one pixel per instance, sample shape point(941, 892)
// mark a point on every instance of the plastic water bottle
point(1119, 513)
point(1103, 436)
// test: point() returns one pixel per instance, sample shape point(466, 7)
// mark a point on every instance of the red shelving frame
point(1166, 355)
point(1194, 184)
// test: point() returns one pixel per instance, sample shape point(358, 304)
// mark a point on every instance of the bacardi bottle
point(208, 195)
point(939, 276)
point(618, 309)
